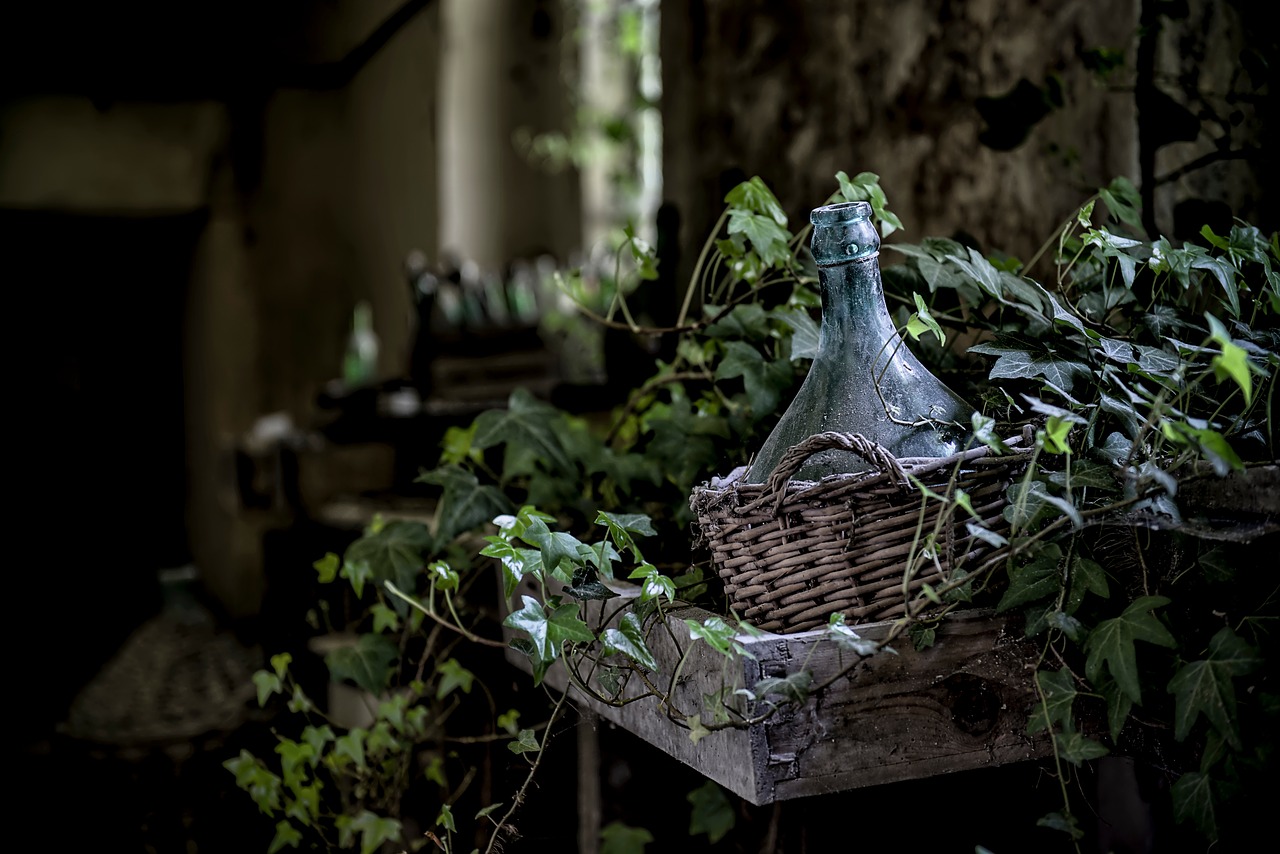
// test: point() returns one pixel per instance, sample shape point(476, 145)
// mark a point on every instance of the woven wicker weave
point(793, 553)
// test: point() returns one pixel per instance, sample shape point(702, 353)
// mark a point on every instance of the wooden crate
point(961, 704)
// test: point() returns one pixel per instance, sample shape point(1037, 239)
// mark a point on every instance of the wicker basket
point(791, 554)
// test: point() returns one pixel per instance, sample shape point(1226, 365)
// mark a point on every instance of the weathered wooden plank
point(960, 704)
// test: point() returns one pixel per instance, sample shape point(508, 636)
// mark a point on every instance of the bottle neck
point(854, 316)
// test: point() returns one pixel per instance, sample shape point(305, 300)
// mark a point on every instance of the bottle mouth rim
point(840, 213)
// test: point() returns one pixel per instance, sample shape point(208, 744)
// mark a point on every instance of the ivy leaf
point(556, 547)
point(1118, 707)
point(327, 567)
point(1076, 749)
point(712, 812)
point(357, 572)
point(1012, 363)
point(922, 321)
point(1087, 576)
point(805, 332)
point(847, 638)
point(755, 195)
point(1205, 688)
point(764, 379)
point(621, 527)
point(1036, 579)
point(794, 687)
point(532, 620)
point(394, 553)
point(267, 684)
point(1111, 643)
point(618, 838)
point(374, 830)
point(489, 810)
point(1065, 823)
point(1059, 693)
point(453, 676)
point(1233, 362)
point(524, 743)
point(526, 422)
point(350, 746)
point(367, 662)
point(286, 836)
point(384, 619)
point(465, 504)
point(1193, 801)
point(628, 639)
point(565, 625)
point(588, 588)
point(719, 635)
point(768, 239)
point(655, 584)
point(747, 322)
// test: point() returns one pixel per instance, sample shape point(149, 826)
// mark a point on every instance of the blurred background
point(261, 256)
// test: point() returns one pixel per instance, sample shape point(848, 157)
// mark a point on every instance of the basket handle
point(776, 485)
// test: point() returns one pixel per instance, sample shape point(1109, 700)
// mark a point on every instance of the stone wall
point(794, 91)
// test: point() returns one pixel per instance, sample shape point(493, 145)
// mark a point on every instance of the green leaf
point(1086, 576)
point(847, 638)
point(1065, 823)
point(557, 548)
point(453, 676)
point(746, 322)
point(464, 505)
point(1059, 690)
point(621, 527)
point(443, 576)
point(755, 195)
point(805, 331)
point(394, 553)
point(1205, 687)
point(764, 379)
point(529, 422)
point(435, 772)
point(525, 743)
point(294, 759)
point(655, 584)
point(922, 321)
point(1233, 362)
point(374, 831)
point(456, 446)
point(445, 819)
point(768, 239)
point(793, 688)
point(618, 838)
point(327, 567)
point(1076, 749)
point(628, 639)
point(351, 746)
point(367, 662)
point(489, 810)
point(1036, 579)
point(508, 720)
point(317, 737)
point(1119, 705)
point(564, 624)
point(532, 620)
point(1193, 801)
point(287, 836)
point(357, 572)
point(1015, 363)
point(384, 619)
point(267, 684)
point(712, 812)
point(1111, 643)
point(719, 635)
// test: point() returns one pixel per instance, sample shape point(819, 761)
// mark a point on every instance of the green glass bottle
point(863, 378)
